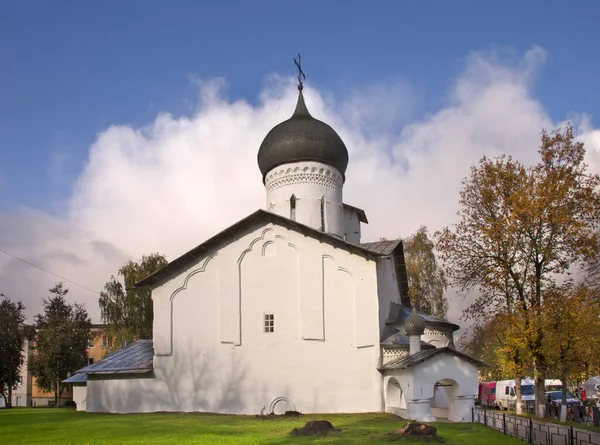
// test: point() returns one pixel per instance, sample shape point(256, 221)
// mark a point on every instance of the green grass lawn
point(65, 426)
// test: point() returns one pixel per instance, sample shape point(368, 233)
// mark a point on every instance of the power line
point(48, 272)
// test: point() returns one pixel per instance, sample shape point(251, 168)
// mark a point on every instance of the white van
point(506, 397)
point(553, 385)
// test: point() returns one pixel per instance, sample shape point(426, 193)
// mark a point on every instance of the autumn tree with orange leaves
point(572, 331)
point(520, 230)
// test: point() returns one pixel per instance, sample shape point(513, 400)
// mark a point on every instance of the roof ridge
point(206, 247)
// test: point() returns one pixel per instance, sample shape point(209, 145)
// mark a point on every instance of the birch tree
point(127, 311)
point(426, 279)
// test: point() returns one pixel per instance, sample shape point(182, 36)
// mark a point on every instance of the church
point(288, 310)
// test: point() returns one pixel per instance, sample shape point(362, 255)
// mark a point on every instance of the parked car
point(555, 398)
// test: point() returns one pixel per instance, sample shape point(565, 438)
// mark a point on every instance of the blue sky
point(70, 68)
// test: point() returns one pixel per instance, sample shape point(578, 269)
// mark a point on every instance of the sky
point(132, 127)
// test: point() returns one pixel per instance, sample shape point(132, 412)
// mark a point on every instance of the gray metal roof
point(399, 314)
point(384, 247)
point(420, 357)
point(133, 359)
point(250, 222)
point(302, 138)
point(77, 378)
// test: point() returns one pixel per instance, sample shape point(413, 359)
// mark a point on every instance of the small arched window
point(322, 214)
point(293, 208)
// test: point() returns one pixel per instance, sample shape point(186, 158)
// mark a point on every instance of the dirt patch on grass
point(421, 431)
point(315, 428)
point(273, 416)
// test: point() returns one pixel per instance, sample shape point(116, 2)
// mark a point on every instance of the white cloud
point(174, 183)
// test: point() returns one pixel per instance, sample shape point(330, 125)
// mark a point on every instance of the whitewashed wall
point(211, 351)
point(418, 389)
point(80, 396)
point(387, 287)
point(308, 181)
point(351, 225)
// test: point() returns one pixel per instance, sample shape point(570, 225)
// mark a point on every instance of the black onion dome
point(302, 138)
point(415, 324)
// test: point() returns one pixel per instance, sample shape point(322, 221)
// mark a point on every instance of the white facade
point(211, 351)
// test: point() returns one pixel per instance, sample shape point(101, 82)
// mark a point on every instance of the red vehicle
point(487, 394)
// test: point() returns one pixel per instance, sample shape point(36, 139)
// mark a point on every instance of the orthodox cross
point(301, 74)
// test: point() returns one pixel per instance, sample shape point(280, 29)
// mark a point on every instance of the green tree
point(520, 229)
point(12, 336)
point(128, 311)
point(426, 279)
point(62, 333)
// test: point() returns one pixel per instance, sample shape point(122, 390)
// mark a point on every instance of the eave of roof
point(399, 313)
point(212, 244)
point(383, 247)
point(137, 358)
point(421, 356)
point(77, 378)
point(362, 216)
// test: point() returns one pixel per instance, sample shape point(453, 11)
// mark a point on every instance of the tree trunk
point(8, 403)
point(563, 380)
point(540, 393)
point(60, 391)
point(519, 407)
point(56, 393)
point(587, 371)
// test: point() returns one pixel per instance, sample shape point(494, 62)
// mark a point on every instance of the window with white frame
point(269, 323)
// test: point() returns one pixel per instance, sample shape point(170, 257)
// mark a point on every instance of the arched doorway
point(394, 397)
point(442, 402)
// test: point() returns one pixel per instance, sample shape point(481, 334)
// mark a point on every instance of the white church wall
point(308, 181)
point(212, 353)
point(351, 225)
point(444, 366)
point(80, 396)
point(457, 400)
point(387, 288)
point(396, 391)
point(451, 399)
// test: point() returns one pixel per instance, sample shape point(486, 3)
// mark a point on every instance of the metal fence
point(575, 413)
point(535, 431)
